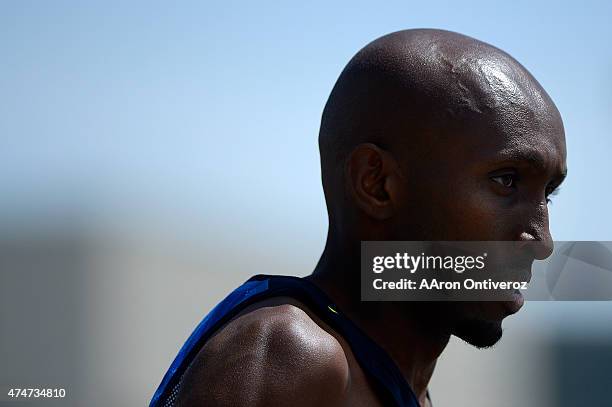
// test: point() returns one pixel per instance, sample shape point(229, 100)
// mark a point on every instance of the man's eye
point(551, 192)
point(507, 180)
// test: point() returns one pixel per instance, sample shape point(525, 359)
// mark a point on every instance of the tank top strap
point(375, 362)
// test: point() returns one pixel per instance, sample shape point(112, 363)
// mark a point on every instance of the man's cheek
point(475, 218)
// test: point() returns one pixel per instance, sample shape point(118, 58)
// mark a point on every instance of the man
point(428, 135)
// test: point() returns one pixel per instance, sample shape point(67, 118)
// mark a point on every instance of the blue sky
point(203, 116)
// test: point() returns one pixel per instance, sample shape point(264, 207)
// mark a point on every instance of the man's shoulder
point(283, 329)
point(273, 353)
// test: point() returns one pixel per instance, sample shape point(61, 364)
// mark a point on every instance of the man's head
point(431, 135)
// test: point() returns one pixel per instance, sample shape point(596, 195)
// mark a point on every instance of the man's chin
point(479, 333)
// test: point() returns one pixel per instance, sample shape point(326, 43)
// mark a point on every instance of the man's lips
point(516, 302)
point(517, 271)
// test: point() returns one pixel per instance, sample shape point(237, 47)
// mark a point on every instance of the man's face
point(489, 183)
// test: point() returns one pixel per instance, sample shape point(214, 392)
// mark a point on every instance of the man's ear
point(372, 176)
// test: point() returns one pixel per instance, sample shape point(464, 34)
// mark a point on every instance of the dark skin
point(427, 135)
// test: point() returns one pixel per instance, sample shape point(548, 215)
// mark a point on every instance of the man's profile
point(428, 135)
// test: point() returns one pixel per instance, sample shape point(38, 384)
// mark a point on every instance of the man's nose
point(535, 235)
point(539, 246)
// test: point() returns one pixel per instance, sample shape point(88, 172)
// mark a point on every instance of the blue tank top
point(389, 384)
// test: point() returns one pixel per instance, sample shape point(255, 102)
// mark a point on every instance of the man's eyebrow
point(534, 158)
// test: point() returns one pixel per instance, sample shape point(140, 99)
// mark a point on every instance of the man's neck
point(401, 330)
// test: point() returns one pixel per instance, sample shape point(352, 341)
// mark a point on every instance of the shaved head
point(430, 135)
point(413, 91)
